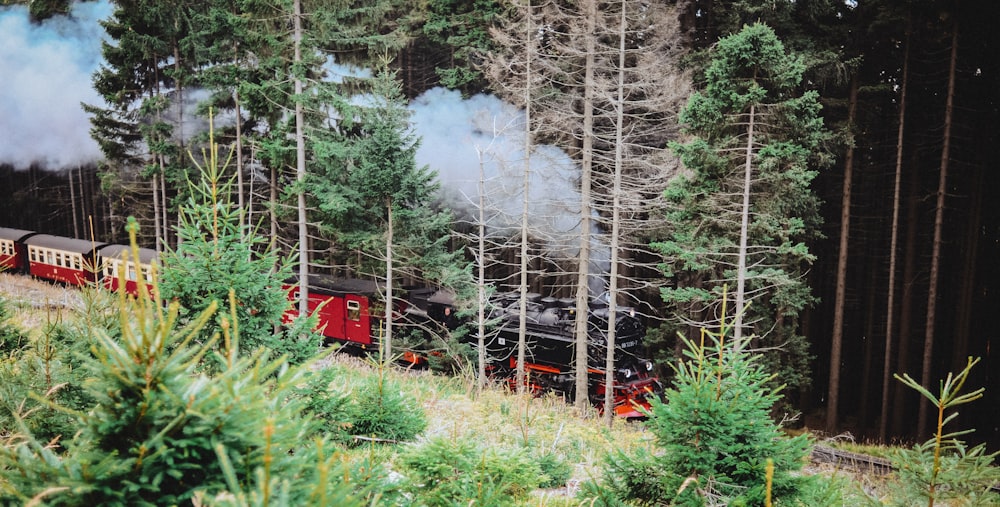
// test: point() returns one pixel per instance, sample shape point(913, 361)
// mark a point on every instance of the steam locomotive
point(351, 312)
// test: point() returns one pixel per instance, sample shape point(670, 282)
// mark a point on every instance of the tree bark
point(902, 393)
point(890, 310)
point(300, 168)
point(387, 341)
point(522, 325)
point(741, 270)
point(836, 342)
point(582, 289)
point(609, 361)
point(932, 291)
point(72, 199)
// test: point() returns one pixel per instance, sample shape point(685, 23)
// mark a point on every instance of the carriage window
point(3, 248)
point(49, 257)
point(34, 255)
point(353, 310)
point(59, 259)
point(131, 272)
point(76, 262)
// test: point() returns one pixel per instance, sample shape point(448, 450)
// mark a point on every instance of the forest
point(824, 162)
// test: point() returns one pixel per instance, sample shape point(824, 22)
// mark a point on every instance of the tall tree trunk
point(890, 303)
point(300, 167)
point(932, 291)
point(522, 331)
point(387, 341)
point(969, 277)
point(239, 161)
point(836, 342)
point(166, 205)
point(156, 212)
point(907, 299)
point(72, 199)
point(582, 289)
point(84, 205)
point(609, 361)
point(481, 282)
point(741, 270)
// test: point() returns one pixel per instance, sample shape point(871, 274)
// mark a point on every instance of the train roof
point(14, 234)
point(146, 255)
point(326, 284)
point(80, 246)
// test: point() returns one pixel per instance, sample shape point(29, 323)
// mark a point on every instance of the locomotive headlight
point(649, 366)
point(627, 372)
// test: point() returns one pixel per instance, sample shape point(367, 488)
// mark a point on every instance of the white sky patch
point(45, 73)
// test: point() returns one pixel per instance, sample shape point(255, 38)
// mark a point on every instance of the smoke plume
point(45, 73)
point(461, 136)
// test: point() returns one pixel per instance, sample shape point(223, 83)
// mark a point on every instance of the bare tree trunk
point(273, 197)
point(165, 205)
point(300, 168)
point(966, 293)
point(901, 393)
point(932, 291)
point(84, 205)
point(836, 342)
point(741, 270)
point(72, 200)
point(522, 331)
point(387, 342)
point(582, 289)
point(609, 361)
point(891, 298)
point(481, 281)
point(239, 162)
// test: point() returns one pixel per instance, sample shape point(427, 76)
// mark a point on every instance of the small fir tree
point(946, 469)
point(714, 433)
point(216, 256)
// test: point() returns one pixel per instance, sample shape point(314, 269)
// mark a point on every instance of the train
point(350, 312)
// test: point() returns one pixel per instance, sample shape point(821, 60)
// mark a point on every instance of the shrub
point(380, 410)
point(445, 472)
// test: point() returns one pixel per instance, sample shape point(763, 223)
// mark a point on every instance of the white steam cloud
point(45, 73)
point(459, 135)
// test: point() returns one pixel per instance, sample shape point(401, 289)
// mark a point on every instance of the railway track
point(857, 463)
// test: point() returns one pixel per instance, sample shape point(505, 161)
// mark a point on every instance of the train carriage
point(13, 251)
point(342, 306)
point(114, 264)
point(72, 261)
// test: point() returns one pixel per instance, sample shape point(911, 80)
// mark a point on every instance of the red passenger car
point(72, 261)
point(344, 307)
point(114, 265)
point(13, 252)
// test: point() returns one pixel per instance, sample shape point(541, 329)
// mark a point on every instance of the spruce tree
point(375, 198)
point(743, 212)
point(713, 433)
point(216, 255)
